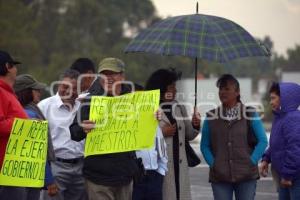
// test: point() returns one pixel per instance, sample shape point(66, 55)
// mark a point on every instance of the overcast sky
point(280, 19)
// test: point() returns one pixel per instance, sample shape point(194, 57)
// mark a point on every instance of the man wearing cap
point(108, 176)
point(10, 108)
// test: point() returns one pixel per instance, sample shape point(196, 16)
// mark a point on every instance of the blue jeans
point(291, 193)
point(242, 190)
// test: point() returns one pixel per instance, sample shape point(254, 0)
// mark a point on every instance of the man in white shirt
point(60, 111)
point(155, 163)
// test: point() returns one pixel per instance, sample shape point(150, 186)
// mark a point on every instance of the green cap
point(26, 81)
point(111, 64)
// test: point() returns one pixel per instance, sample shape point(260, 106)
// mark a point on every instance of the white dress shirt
point(155, 158)
point(59, 119)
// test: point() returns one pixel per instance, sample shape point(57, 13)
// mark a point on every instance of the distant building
point(208, 97)
point(291, 77)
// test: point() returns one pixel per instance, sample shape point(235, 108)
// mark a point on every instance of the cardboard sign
point(26, 153)
point(123, 123)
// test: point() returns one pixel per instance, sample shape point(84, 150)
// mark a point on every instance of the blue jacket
point(284, 149)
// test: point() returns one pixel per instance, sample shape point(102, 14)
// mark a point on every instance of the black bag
point(192, 159)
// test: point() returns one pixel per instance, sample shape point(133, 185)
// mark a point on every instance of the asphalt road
point(201, 189)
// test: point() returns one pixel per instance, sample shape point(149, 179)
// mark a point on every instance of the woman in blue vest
point(233, 140)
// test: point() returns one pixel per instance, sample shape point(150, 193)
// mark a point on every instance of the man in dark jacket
point(108, 176)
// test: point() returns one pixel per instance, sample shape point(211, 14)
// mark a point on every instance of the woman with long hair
point(176, 128)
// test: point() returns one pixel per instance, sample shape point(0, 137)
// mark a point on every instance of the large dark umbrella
point(198, 36)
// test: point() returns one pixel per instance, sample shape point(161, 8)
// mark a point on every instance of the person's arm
point(205, 144)
point(50, 184)
point(6, 125)
point(291, 159)
point(48, 175)
point(267, 156)
point(5, 122)
point(76, 130)
point(262, 141)
point(161, 148)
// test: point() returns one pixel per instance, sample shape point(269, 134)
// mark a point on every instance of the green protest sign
point(25, 156)
point(123, 123)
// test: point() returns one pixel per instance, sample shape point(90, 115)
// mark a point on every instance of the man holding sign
point(108, 176)
point(10, 108)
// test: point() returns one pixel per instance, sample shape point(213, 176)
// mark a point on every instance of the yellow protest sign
point(25, 157)
point(123, 123)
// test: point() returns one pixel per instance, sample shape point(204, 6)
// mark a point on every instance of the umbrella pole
point(196, 72)
point(196, 64)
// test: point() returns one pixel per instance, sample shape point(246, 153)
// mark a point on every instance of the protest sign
point(123, 123)
point(25, 157)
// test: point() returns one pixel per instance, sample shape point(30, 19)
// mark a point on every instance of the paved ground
point(201, 189)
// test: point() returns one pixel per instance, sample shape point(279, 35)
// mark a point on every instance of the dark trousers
point(149, 188)
point(102, 192)
point(19, 193)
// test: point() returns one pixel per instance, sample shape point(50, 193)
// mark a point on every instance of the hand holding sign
point(158, 114)
point(87, 126)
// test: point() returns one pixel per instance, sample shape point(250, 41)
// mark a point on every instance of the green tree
point(74, 28)
point(293, 59)
point(17, 32)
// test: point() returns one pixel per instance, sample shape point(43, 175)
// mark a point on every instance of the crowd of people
point(233, 141)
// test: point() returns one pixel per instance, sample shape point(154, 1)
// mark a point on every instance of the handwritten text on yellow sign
point(123, 123)
point(25, 156)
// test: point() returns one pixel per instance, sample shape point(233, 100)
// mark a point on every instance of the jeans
point(291, 193)
point(242, 190)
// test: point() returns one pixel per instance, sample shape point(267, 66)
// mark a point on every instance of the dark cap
point(111, 64)
point(26, 81)
point(6, 58)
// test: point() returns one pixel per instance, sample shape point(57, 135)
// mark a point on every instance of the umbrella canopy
point(198, 36)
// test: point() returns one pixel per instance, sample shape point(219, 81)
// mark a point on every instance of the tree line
point(48, 35)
